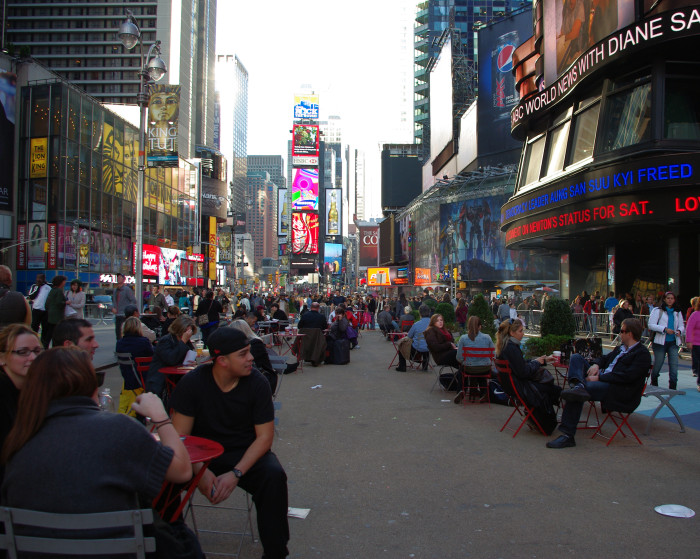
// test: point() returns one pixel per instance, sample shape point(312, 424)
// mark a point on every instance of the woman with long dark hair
point(76, 298)
point(666, 326)
point(441, 343)
point(65, 455)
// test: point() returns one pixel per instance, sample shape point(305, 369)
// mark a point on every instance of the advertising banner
point(8, 93)
point(304, 161)
point(38, 155)
point(53, 248)
point(369, 245)
point(282, 213)
point(151, 260)
point(497, 93)
point(212, 248)
point(169, 270)
point(304, 233)
point(163, 114)
point(404, 237)
point(214, 198)
point(387, 276)
point(334, 211)
point(22, 247)
point(305, 106)
point(305, 140)
point(333, 258)
point(35, 247)
point(422, 276)
point(305, 189)
point(225, 248)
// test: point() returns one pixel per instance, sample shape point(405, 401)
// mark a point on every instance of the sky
point(347, 51)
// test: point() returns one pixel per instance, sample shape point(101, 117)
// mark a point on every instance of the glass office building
point(77, 186)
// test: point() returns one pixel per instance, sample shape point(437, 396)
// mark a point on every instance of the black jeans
point(415, 353)
point(266, 481)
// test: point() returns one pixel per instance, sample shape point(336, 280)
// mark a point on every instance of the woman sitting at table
point(170, 351)
point(474, 338)
point(135, 344)
point(440, 342)
point(65, 455)
point(19, 346)
point(534, 383)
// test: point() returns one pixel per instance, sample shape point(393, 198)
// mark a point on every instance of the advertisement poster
point(334, 211)
point(304, 233)
point(283, 213)
point(83, 248)
point(22, 247)
point(169, 272)
point(151, 260)
point(369, 245)
point(387, 276)
point(305, 106)
point(163, 113)
point(8, 92)
point(333, 258)
point(305, 189)
point(422, 277)
point(305, 141)
point(477, 245)
point(35, 247)
point(107, 252)
point(53, 248)
point(225, 248)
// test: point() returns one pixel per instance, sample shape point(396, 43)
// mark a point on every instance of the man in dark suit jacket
point(313, 318)
point(615, 380)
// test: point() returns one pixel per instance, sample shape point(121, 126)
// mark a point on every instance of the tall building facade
point(261, 216)
point(461, 18)
point(77, 40)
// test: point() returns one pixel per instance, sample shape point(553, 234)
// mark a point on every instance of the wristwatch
point(237, 473)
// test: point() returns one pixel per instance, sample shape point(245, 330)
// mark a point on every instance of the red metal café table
point(173, 374)
point(201, 451)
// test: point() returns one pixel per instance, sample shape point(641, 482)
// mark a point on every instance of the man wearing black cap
point(228, 401)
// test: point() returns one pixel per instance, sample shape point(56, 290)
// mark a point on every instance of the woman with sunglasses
point(666, 326)
point(19, 346)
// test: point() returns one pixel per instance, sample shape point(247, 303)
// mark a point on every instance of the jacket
point(438, 344)
point(313, 319)
point(136, 346)
point(56, 305)
point(658, 322)
point(692, 332)
point(313, 345)
point(626, 379)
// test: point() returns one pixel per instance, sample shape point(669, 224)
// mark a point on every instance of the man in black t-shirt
point(230, 402)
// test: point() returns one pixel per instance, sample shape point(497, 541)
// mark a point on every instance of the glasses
point(25, 351)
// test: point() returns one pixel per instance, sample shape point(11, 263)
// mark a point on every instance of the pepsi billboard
point(497, 94)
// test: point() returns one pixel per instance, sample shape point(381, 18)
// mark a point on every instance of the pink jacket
point(692, 329)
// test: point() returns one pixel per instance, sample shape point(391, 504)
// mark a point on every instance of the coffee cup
point(557, 356)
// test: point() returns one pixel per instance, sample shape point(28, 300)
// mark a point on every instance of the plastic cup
point(199, 347)
point(557, 356)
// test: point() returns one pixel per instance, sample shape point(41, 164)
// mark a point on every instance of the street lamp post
point(151, 70)
point(450, 257)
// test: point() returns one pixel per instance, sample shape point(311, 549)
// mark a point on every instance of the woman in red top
point(441, 343)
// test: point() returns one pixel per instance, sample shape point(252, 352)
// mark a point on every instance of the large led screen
point(305, 141)
point(333, 258)
point(304, 233)
point(305, 106)
point(283, 213)
point(477, 245)
point(369, 245)
point(334, 211)
point(305, 189)
point(169, 272)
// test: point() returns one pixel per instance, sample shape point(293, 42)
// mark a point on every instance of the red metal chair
point(620, 419)
point(142, 366)
point(471, 382)
point(405, 325)
point(505, 376)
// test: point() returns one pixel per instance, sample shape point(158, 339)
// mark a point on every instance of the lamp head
point(129, 32)
point(156, 68)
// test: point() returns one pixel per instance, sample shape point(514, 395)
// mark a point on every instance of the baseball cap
point(223, 341)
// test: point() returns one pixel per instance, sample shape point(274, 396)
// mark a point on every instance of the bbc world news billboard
point(369, 245)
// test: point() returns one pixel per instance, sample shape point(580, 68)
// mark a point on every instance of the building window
point(682, 109)
point(532, 161)
point(627, 118)
point(585, 126)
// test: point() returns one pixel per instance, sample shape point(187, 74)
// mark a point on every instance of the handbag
point(543, 376)
point(203, 319)
point(405, 347)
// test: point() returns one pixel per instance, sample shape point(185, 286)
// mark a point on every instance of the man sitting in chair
point(228, 401)
point(616, 380)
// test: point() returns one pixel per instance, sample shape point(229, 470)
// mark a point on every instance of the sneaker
point(563, 441)
point(400, 369)
point(576, 394)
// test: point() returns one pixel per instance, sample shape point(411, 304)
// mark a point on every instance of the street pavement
point(390, 469)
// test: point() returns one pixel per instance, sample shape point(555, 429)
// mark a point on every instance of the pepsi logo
point(504, 60)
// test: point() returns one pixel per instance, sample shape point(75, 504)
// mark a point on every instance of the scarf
point(446, 333)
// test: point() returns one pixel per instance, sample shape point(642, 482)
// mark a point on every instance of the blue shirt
point(416, 334)
point(671, 317)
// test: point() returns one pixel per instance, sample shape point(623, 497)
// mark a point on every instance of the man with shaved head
point(313, 318)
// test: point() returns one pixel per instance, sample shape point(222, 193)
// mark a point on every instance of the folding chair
point(471, 385)
point(142, 366)
point(52, 525)
point(405, 325)
point(505, 376)
point(438, 374)
point(217, 536)
point(126, 360)
point(620, 418)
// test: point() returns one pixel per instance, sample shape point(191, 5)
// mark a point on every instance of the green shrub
point(480, 308)
point(557, 319)
point(534, 347)
point(291, 307)
point(432, 303)
point(416, 315)
point(447, 311)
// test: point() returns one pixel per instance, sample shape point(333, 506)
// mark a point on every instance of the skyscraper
point(77, 40)
point(232, 85)
point(261, 217)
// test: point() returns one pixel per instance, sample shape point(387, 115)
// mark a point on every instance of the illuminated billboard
point(305, 140)
point(283, 213)
point(163, 114)
point(306, 106)
point(369, 245)
point(387, 276)
point(441, 121)
point(334, 211)
point(305, 189)
point(304, 233)
point(333, 258)
point(169, 272)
